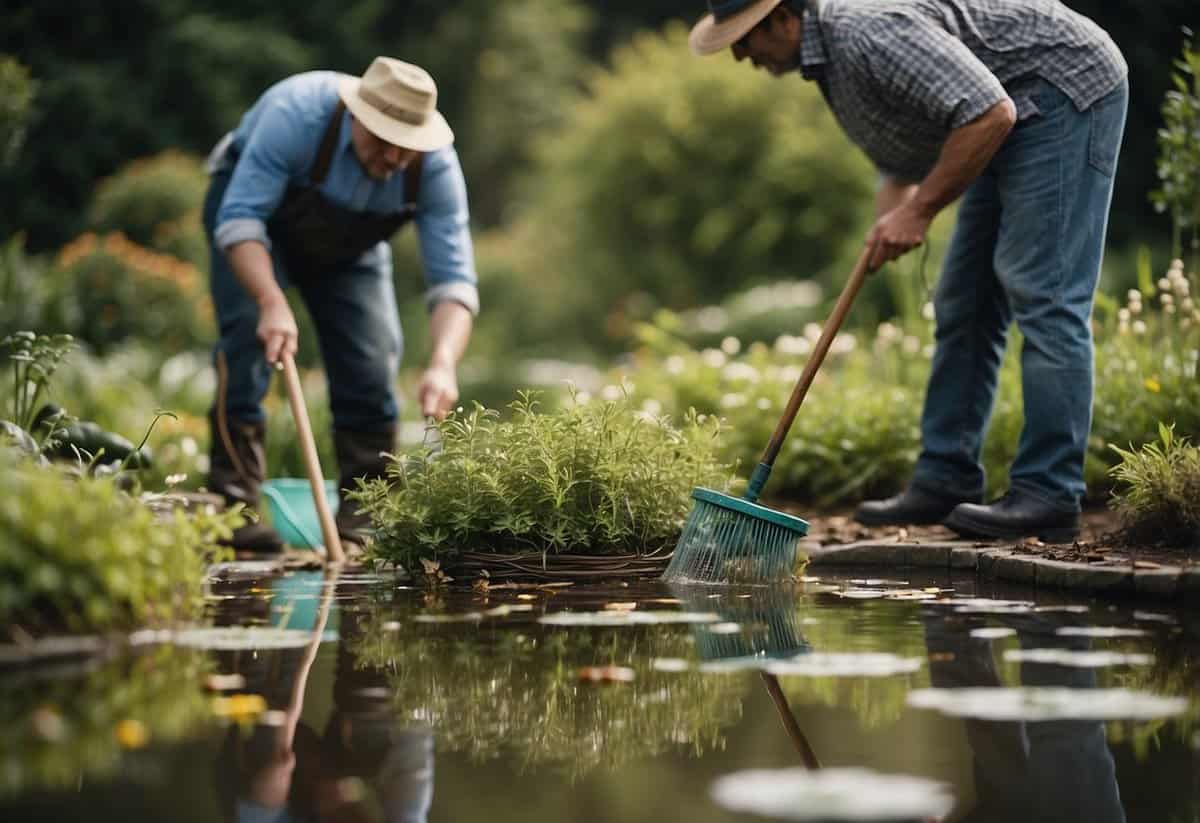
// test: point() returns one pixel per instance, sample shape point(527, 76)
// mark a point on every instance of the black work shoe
point(258, 538)
point(915, 506)
point(1014, 516)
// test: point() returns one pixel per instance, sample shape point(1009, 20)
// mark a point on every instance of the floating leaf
point(832, 794)
point(1077, 658)
point(1050, 703)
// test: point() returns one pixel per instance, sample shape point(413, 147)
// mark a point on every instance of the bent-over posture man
point(1017, 106)
point(306, 191)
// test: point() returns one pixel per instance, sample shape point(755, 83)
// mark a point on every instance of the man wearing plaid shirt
point(1018, 107)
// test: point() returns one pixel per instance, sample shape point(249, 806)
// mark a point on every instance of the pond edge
point(1006, 563)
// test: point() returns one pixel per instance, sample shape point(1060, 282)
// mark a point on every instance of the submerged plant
point(594, 478)
point(1159, 499)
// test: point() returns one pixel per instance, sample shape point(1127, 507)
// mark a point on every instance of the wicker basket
point(557, 567)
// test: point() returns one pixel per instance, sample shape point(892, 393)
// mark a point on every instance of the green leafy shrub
point(32, 361)
point(1146, 363)
point(60, 730)
point(109, 289)
point(1179, 156)
point(1159, 492)
point(686, 179)
point(594, 478)
point(16, 104)
point(149, 199)
point(79, 553)
point(857, 434)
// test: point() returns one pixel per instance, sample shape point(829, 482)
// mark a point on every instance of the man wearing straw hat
point(321, 171)
point(1018, 107)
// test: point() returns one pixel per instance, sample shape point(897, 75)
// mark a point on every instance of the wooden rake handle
point(828, 332)
point(316, 479)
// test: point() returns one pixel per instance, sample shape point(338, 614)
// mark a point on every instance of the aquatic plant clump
point(596, 478)
point(78, 553)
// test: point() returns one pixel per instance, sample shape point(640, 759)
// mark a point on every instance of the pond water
point(905, 698)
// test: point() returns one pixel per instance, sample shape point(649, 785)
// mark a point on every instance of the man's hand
point(438, 391)
point(277, 329)
point(899, 231)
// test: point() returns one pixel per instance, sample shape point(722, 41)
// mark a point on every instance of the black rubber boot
point(915, 506)
point(237, 467)
point(360, 455)
point(1014, 516)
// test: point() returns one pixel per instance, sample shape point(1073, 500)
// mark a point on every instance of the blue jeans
point(1027, 246)
point(358, 328)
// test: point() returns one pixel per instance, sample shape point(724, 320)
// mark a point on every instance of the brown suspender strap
point(412, 174)
point(328, 144)
point(412, 181)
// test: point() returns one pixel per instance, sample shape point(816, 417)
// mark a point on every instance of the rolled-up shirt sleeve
point(443, 225)
point(927, 69)
point(276, 148)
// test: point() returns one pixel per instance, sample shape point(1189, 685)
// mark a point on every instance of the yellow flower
point(131, 734)
point(239, 707)
point(1153, 385)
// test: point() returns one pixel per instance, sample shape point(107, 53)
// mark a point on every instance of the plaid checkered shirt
point(900, 75)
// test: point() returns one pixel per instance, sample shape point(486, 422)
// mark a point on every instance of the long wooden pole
point(333, 544)
point(853, 285)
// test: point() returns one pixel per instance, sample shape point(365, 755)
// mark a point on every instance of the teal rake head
point(729, 539)
point(735, 540)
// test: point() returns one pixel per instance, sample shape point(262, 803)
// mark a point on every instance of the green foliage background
point(130, 78)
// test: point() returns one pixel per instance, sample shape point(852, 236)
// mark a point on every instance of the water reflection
point(545, 695)
point(1050, 770)
point(69, 723)
point(363, 765)
point(774, 679)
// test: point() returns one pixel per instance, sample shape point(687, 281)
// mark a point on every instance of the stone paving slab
point(997, 562)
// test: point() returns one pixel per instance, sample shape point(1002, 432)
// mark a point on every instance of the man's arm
point(278, 145)
point(450, 329)
point(891, 194)
point(964, 156)
point(251, 264)
point(443, 224)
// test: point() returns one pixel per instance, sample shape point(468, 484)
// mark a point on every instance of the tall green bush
point(108, 290)
point(1179, 156)
point(687, 179)
point(16, 105)
point(152, 200)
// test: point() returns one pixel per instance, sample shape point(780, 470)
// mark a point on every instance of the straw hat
point(397, 102)
point(727, 22)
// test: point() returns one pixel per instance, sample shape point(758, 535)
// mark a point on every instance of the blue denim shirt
point(276, 144)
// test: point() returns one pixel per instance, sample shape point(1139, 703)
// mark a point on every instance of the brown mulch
point(1100, 540)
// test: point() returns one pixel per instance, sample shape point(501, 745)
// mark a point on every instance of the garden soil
point(1100, 540)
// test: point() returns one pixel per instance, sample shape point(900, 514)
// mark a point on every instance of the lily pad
point(1078, 658)
point(246, 637)
point(845, 664)
point(832, 794)
point(1099, 631)
point(1034, 703)
point(632, 618)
